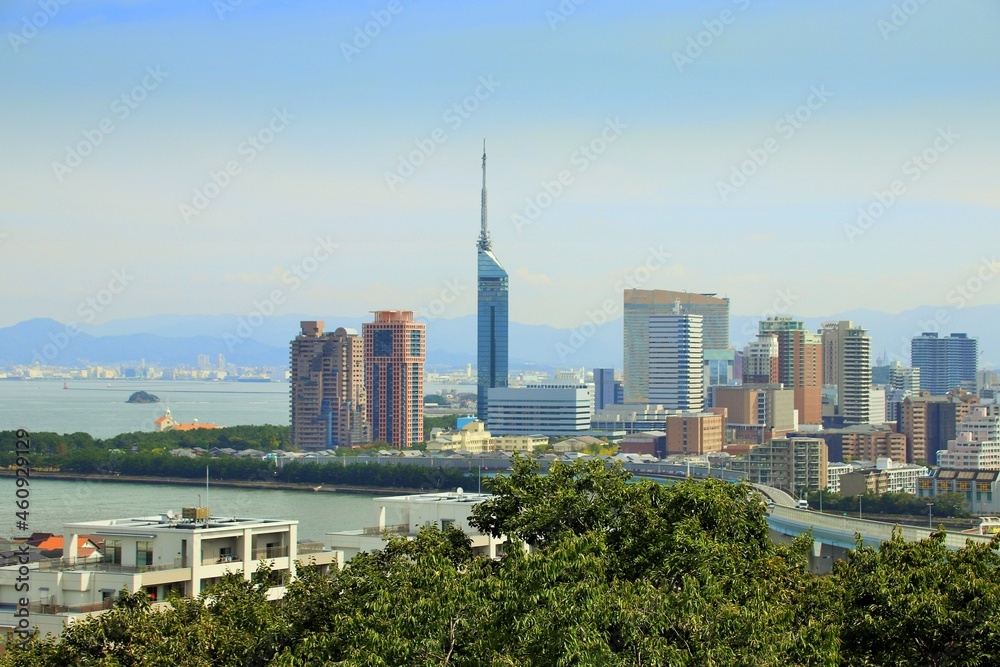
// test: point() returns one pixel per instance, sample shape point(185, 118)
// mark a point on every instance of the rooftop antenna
point(484, 234)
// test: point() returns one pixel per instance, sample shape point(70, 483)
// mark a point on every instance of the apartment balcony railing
point(310, 548)
point(270, 552)
point(396, 529)
point(62, 564)
point(39, 608)
point(215, 560)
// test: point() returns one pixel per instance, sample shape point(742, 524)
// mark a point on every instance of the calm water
point(57, 502)
point(91, 406)
point(96, 408)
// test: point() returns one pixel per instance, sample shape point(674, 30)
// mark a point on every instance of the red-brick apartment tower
point(395, 352)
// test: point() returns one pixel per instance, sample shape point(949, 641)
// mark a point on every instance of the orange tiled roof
point(192, 427)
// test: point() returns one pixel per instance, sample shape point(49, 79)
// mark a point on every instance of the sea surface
point(53, 503)
point(99, 407)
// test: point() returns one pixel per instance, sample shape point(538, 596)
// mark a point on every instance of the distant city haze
point(307, 158)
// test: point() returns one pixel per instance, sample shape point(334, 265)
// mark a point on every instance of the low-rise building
point(473, 437)
point(406, 515)
point(886, 476)
point(695, 433)
point(981, 488)
point(168, 553)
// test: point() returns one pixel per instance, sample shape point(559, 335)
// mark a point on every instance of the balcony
point(397, 529)
point(221, 559)
point(39, 608)
point(270, 552)
point(62, 564)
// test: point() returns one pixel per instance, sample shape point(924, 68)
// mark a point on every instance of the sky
point(227, 156)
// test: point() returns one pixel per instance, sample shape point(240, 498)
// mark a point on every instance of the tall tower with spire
point(492, 314)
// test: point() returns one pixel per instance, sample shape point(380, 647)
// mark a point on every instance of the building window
point(382, 343)
point(143, 553)
point(113, 552)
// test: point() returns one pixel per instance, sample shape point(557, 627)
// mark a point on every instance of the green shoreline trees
point(617, 573)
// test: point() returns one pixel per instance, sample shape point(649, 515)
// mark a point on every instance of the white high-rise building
point(847, 364)
point(675, 362)
point(977, 442)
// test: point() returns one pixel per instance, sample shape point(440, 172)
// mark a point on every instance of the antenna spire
point(484, 234)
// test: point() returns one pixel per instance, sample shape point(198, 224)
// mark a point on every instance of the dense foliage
point(79, 453)
point(618, 573)
point(947, 505)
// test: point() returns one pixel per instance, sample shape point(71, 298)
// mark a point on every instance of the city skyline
point(639, 140)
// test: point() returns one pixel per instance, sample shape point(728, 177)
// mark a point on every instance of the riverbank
point(235, 484)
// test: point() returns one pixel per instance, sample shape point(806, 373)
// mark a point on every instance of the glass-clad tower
point(492, 315)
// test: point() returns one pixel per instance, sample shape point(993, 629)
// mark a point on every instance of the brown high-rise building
point(327, 392)
point(800, 365)
point(395, 352)
point(929, 422)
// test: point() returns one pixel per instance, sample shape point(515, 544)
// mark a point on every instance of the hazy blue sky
point(342, 111)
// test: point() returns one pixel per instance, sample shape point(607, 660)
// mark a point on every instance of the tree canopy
point(599, 569)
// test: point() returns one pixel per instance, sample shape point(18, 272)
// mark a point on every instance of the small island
point(143, 397)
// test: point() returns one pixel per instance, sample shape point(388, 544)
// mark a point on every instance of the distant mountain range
point(171, 340)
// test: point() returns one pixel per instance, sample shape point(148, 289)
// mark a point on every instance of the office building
point(675, 365)
point(640, 305)
point(395, 351)
point(541, 410)
point(327, 388)
point(756, 414)
point(760, 360)
point(800, 365)
point(694, 433)
point(929, 422)
point(492, 322)
point(606, 388)
point(945, 363)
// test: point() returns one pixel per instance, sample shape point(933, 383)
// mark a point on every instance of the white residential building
point(833, 473)
point(977, 442)
point(160, 554)
point(406, 515)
